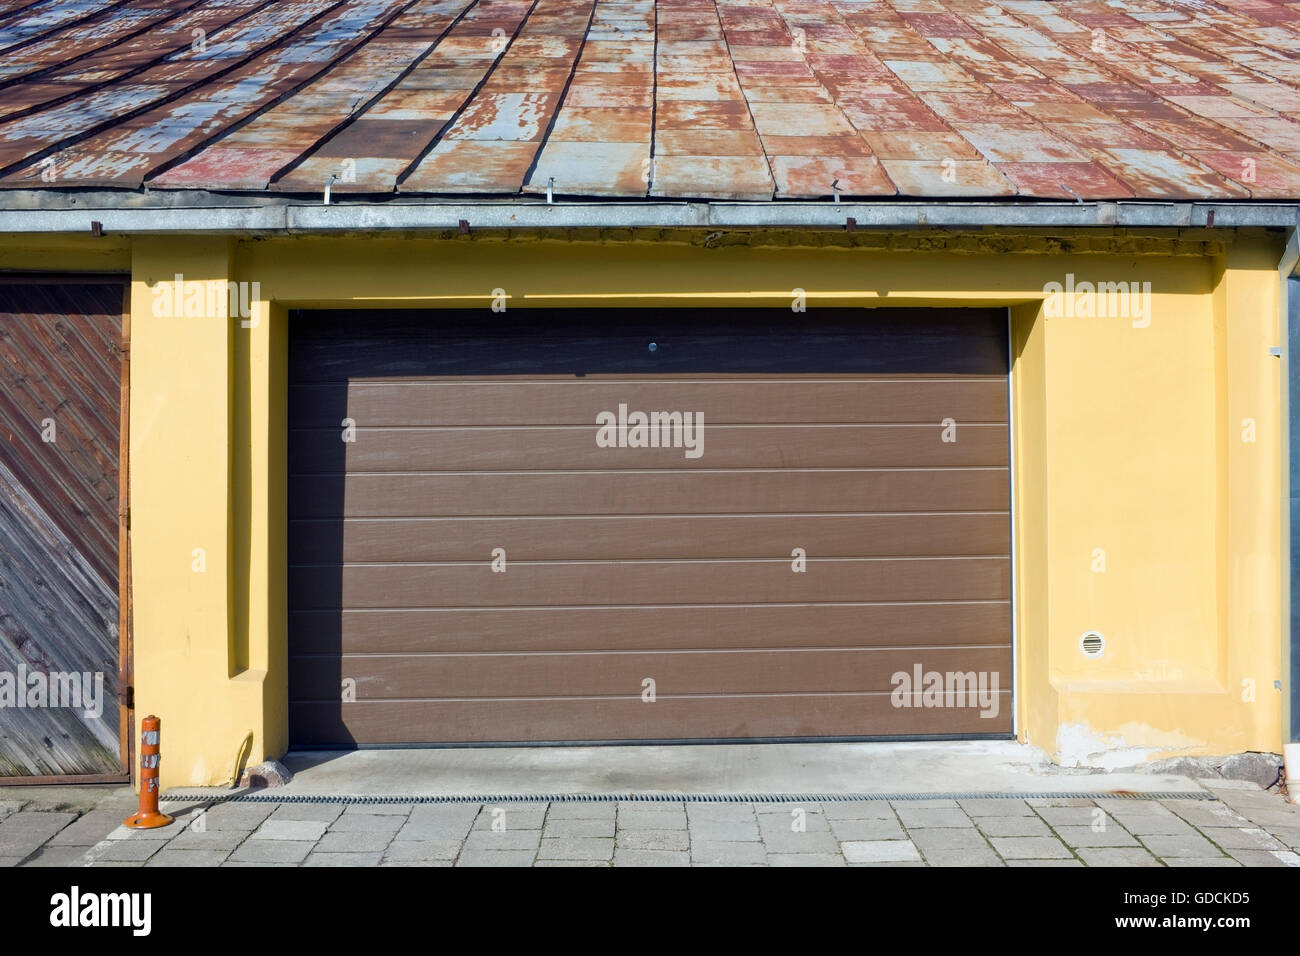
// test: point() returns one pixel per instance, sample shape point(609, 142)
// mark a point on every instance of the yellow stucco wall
point(1128, 438)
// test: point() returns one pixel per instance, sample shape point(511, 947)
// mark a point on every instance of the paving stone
point(719, 853)
point(1030, 848)
point(496, 857)
point(515, 817)
point(805, 859)
point(88, 829)
point(653, 839)
point(913, 863)
point(725, 812)
point(1193, 844)
point(440, 823)
point(368, 823)
point(1266, 857)
point(498, 840)
point(274, 829)
point(1199, 813)
point(23, 832)
point(1037, 802)
point(1145, 825)
point(50, 855)
point(110, 863)
point(636, 817)
point(417, 863)
point(239, 863)
point(1117, 856)
point(807, 841)
point(169, 857)
point(576, 848)
point(1113, 835)
point(859, 810)
point(725, 830)
point(929, 839)
point(449, 815)
point(970, 857)
point(935, 804)
point(122, 850)
point(354, 841)
point(319, 858)
point(380, 809)
point(917, 817)
point(1076, 816)
point(316, 812)
point(571, 863)
point(6, 861)
point(1242, 838)
point(777, 823)
point(1288, 835)
point(238, 816)
point(783, 809)
point(1198, 861)
point(1013, 826)
point(415, 851)
point(272, 851)
point(189, 839)
point(986, 807)
point(868, 829)
point(1070, 862)
point(879, 851)
point(581, 811)
point(625, 856)
point(8, 807)
point(1264, 818)
point(578, 827)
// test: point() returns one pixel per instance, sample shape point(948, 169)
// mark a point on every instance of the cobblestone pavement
point(1245, 826)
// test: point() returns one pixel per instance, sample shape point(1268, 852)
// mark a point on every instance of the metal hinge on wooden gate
point(126, 696)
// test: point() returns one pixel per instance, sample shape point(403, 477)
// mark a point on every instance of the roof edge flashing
point(290, 218)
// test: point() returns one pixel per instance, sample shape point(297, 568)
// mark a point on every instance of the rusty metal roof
point(678, 99)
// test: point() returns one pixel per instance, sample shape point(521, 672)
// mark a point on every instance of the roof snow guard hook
point(550, 191)
point(835, 189)
point(328, 183)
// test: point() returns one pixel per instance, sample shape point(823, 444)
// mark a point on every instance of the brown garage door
point(486, 545)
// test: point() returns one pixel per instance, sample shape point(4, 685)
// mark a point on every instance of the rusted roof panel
point(691, 99)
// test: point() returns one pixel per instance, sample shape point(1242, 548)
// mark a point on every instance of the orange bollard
point(148, 818)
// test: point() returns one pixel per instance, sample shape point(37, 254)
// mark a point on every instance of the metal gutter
point(352, 217)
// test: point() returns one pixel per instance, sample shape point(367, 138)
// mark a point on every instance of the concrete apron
point(984, 767)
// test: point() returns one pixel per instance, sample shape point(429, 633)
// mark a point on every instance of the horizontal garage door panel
point(653, 536)
point(570, 447)
point(649, 582)
point(607, 718)
point(696, 492)
point(599, 675)
point(421, 630)
point(420, 444)
point(905, 400)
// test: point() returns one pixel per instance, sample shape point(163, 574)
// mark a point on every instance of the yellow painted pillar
point(184, 526)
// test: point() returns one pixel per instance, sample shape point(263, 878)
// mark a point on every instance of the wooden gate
point(64, 627)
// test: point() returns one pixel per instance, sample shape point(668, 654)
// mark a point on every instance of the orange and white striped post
point(149, 817)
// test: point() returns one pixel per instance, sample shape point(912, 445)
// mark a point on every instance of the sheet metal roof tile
point(734, 98)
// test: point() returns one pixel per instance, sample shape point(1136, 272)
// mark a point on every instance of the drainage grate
point(271, 797)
